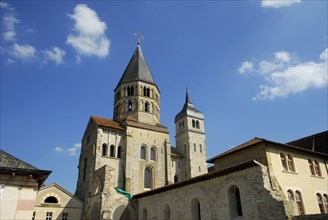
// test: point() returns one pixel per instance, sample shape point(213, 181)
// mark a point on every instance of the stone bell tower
point(137, 95)
point(190, 140)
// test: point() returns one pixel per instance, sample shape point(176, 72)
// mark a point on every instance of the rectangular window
point(200, 148)
point(85, 169)
point(49, 216)
point(194, 147)
point(65, 216)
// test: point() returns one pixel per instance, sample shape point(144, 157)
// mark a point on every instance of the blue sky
point(254, 68)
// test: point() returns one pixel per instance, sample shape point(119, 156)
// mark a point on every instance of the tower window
point(146, 107)
point(194, 147)
point(129, 106)
point(119, 151)
point(200, 148)
point(193, 123)
point(112, 151)
point(104, 150)
point(130, 91)
point(148, 178)
point(143, 153)
point(153, 153)
point(197, 124)
point(84, 169)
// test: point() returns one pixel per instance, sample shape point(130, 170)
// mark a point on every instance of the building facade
point(133, 150)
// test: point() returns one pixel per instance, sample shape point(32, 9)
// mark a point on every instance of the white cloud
point(58, 149)
point(278, 3)
point(89, 38)
point(55, 54)
point(77, 145)
point(285, 76)
point(245, 66)
point(324, 55)
point(8, 22)
point(282, 56)
point(23, 51)
point(71, 151)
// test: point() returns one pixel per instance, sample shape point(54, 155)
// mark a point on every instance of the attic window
point(51, 199)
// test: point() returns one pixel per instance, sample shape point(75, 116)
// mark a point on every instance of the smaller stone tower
point(190, 140)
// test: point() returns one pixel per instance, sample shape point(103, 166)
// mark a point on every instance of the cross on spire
point(139, 36)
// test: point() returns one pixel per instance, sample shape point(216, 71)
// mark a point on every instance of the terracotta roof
point(157, 127)
point(215, 174)
point(174, 152)
point(247, 144)
point(107, 123)
point(256, 141)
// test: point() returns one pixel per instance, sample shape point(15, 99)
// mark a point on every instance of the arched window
point(299, 203)
point(146, 107)
point(148, 178)
point(119, 151)
point(51, 199)
point(290, 163)
point(283, 162)
point(153, 153)
point(195, 209)
point(320, 203)
point(112, 151)
point(167, 212)
point(290, 195)
point(311, 167)
point(317, 168)
point(104, 150)
point(144, 214)
point(325, 202)
point(148, 92)
point(176, 178)
point(143, 153)
point(235, 204)
point(197, 124)
point(193, 123)
point(129, 106)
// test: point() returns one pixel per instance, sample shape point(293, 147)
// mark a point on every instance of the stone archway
point(124, 212)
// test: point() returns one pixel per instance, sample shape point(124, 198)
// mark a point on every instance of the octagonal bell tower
point(137, 96)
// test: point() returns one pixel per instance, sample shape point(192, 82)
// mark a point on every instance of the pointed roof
point(137, 69)
point(8, 160)
point(189, 109)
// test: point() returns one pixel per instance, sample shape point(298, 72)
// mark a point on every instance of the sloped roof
point(158, 127)
point(188, 109)
point(204, 177)
point(107, 123)
point(8, 160)
point(255, 141)
point(316, 142)
point(137, 69)
point(174, 152)
point(61, 189)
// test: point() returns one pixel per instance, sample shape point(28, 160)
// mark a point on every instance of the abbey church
point(128, 169)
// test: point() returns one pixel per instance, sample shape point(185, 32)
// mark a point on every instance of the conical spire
point(188, 109)
point(137, 69)
point(187, 97)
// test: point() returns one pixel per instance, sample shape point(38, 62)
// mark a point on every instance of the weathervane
point(139, 36)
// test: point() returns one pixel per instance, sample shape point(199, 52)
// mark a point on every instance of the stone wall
point(213, 195)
